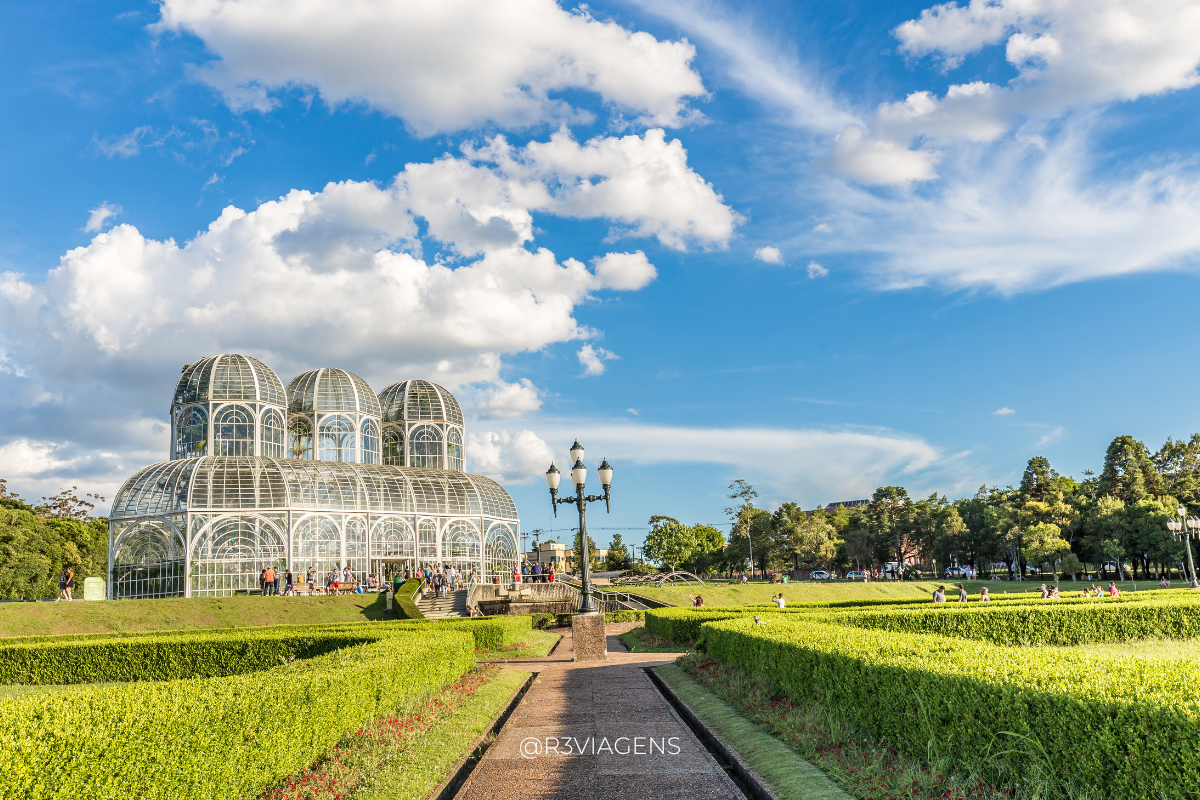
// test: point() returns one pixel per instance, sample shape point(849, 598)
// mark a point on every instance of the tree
point(709, 544)
point(1044, 544)
point(593, 560)
point(814, 541)
point(618, 555)
point(889, 507)
point(1128, 472)
point(669, 542)
point(34, 550)
point(1038, 478)
point(742, 516)
point(66, 505)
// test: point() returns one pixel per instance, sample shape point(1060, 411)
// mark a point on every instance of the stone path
point(634, 746)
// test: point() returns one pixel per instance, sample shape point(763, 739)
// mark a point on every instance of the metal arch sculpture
point(657, 580)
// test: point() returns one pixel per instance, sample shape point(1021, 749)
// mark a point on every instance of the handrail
point(420, 586)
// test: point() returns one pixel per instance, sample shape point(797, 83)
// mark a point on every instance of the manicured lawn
point(825, 591)
point(638, 641)
point(535, 645)
point(121, 616)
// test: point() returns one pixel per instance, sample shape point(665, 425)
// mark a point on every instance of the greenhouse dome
point(207, 522)
point(422, 426)
point(227, 405)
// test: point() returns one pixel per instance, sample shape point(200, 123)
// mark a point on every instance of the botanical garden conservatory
point(325, 474)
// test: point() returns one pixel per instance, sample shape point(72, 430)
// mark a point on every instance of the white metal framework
point(208, 526)
point(422, 426)
point(322, 476)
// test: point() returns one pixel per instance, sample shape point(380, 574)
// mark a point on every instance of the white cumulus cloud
point(871, 161)
point(499, 400)
point(771, 255)
point(593, 359)
point(624, 271)
point(1003, 412)
point(514, 458)
point(440, 66)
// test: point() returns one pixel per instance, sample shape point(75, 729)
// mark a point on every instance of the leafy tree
point(669, 542)
point(1038, 478)
point(593, 560)
point(618, 555)
point(1128, 472)
point(709, 548)
point(890, 508)
point(66, 505)
point(1044, 544)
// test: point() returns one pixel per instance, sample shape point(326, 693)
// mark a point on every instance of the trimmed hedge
point(1047, 623)
point(161, 658)
point(405, 607)
point(1123, 728)
point(223, 737)
point(489, 632)
point(625, 615)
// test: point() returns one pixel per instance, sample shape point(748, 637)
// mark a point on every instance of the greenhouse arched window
point(393, 447)
point(336, 438)
point(191, 432)
point(272, 434)
point(425, 447)
point(300, 438)
point(370, 442)
point(233, 431)
point(454, 450)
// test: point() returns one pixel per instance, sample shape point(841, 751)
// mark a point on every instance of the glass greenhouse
point(230, 504)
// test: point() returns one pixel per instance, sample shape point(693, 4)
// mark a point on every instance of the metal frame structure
point(657, 579)
point(229, 504)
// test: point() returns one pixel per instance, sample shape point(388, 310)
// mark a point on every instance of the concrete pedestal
point(587, 634)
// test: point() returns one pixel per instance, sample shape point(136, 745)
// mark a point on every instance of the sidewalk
point(633, 744)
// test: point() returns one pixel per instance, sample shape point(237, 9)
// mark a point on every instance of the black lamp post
point(580, 500)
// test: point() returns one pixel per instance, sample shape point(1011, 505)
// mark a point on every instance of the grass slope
point(428, 760)
point(535, 645)
point(788, 775)
point(1173, 649)
point(121, 616)
point(823, 591)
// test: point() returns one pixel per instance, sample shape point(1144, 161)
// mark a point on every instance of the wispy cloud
point(99, 215)
point(1003, 412)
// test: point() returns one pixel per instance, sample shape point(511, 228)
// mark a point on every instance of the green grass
point(776, 764)
point(1173, 649)
point(821, 591)
point(638, 641)
point(536, 645)
point(123, 616)
point(427, 761)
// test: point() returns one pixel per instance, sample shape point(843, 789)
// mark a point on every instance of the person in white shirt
point(779, 601)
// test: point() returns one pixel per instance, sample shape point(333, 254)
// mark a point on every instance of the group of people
point(1048, 593)
point(274, 582)
point(535, 574)
point(442, 579)
point(66, 584)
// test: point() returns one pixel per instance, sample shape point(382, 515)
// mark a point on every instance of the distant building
point(845, 503)
point(559, 556)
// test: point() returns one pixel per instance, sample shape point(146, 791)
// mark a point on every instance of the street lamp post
point(1192, 524)
point(580, 500)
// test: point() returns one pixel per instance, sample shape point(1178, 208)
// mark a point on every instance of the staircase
point(455, 605)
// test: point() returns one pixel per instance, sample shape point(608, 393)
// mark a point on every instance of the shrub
point(489, 632)
point(541, 621)
point(405, 607)
point(1124, 728)
point(1050, 622)
point(627, 615)
point(223, 737)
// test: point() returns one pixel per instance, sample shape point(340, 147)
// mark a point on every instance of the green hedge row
point(626, 615)
point(217, 738)
point(489, 632)
point(404, 605)
point(1047, 623)
point(1123, 728)
point(161, 658)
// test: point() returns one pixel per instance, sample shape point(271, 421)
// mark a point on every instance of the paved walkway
point(634, 746)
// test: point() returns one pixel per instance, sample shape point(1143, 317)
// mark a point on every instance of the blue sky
point(816, 246)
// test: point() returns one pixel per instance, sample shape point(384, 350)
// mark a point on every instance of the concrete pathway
point(596, 731)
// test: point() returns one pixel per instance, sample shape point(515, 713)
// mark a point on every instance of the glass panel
point(302, 390)
point(233, 379)
point(391, 402)
point(500, 554)
point(337, 438)
point(453, 411)
point(427, 538)
point(356, 547)
point(148, 561)
point(460, 547)
point(272, 434)
point(233, 432)
point(335, 392)
point(317, 545)
point(495, 501)
point(392, 537)
point(368, 403)
point(230, 553)
point(155, 490)
point(191, 431)
point(423, 402)
point(370, 442)
point(454, 450)
point(193, 383)
point(270, 388)
point(239, 483)
point(393, 447)
point(300, 438)
point(425, 447)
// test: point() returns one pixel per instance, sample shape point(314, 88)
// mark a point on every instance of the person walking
point(275, 582)
point(289, 588)
point(939, 595)
point(70, 586)
point(262, 582)
point(268, 581)
point(962, 594)
point(311, 578)
point(62, 584)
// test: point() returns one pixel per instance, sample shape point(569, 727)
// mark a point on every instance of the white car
point(855, 575)
point(819, 575)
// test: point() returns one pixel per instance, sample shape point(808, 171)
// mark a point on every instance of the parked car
point(855, 575)
point(957, 572)
point(819, 575)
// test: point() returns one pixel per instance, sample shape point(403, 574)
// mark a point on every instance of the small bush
point(489, 632)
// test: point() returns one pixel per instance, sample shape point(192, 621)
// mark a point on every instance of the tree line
point(1114, 522)
point(38, 541)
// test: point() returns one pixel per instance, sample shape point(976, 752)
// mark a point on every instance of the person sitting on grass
point(962, 594)
point(1045, 592)
point(1164, 583)
point(939, 595)
point(984, 597)
point(1113, 591)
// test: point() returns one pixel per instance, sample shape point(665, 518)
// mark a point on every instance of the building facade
point(304, 479)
